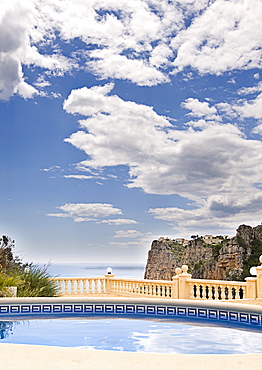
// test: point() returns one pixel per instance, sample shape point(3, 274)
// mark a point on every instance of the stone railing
point(109, 285)
point(182, 286)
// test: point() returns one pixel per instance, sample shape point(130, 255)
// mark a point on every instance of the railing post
point(184, 280)
point(108, 285)
point(251, 287)
point(259, 279)
point(175, 287)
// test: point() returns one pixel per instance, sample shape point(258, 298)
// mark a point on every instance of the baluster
point(229, 292)
point(154, 290)
point(215, 292)
point(73, 286)
point(78, 286)
point(91, 284)
point(237, 292)
point(60, 287)
point(102, 285)
point(243, 292)
point(197, 291)
point(206, 291)
point(89, 287)
point(66, 287)
point(99, 285)
point(84, 286)
point(223, 293)
point(96, 286)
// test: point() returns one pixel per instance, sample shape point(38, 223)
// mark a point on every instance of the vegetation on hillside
point(30, 280)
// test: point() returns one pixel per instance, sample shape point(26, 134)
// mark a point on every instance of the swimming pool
point(135, 335)
point(156, 325)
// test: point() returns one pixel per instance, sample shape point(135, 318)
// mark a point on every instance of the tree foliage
point(31, 280)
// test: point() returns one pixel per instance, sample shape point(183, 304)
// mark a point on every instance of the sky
point(125, 121)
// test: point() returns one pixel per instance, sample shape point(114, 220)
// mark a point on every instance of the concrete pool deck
point(27, 357)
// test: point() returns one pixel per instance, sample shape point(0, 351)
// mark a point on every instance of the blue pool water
point(132, 335)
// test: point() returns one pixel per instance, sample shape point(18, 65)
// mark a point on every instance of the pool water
point(132, 335)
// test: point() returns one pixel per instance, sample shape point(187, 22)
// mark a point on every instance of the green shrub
point(7, 281)
point(36, 283)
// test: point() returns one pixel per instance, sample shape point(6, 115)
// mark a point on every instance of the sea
point(123, 270)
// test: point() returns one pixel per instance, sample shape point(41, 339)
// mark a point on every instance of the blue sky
point(123, 121)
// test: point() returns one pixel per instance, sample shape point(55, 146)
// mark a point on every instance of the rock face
point(224, 259)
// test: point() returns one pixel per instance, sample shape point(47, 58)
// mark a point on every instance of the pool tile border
point(134, 309)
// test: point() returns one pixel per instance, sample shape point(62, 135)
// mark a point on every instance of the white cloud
point(207, 43)
point(87, 211)
point(119, 221)
point(200, 109)
point(219, 213)
point(142, 242)
point(249, 108)
point(21, 28)
point(257, 129)
point(52, 168)
point(250, 90)
point(118, 131)
point(204, 165)
point(115, 44)
point(127, 234)
point(80, 177)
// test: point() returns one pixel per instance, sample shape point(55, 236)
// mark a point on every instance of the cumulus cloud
point(79, 177)
point(207, 43)
point(87, 211)
point(251, 89)
point(215, 167)
point(257, 129)
point(127, 234)
point(118, 221)
point(142, 240)
point(218, 213)
point(175, 34)
point(21, 29)
point(200, 109)
point(52, 168)
point(118, 131)
point(250, 108)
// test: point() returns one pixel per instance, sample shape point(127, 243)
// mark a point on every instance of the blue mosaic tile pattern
point(131, 309)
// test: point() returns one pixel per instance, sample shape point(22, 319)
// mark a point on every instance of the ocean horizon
point(123, 270)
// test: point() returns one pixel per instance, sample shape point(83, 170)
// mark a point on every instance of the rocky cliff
point(220, 258)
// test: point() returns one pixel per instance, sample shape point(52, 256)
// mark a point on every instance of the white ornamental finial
point(184, 269)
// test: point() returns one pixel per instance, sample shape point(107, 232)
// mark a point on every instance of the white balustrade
point(216, 289)
point(181, 286)
point(79, 286)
